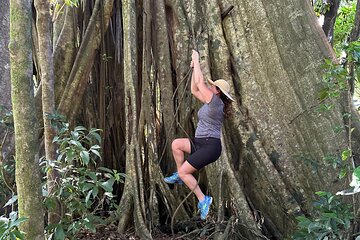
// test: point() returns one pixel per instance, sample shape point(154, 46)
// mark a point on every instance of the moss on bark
point(27, 172)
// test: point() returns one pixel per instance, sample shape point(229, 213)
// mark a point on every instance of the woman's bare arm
point(198, 86)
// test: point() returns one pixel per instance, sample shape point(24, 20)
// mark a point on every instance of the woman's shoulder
point(215, 101)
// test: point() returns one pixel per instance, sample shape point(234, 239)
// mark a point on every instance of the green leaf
point(357, 172)
point(107, 186)
point(56, 139)
point(345, 154)
point(76, 143)
point(75, 135)
point(11, 201)
point(70, 154)
point(50, 203)
point(313, 226)
point(87, 186)
point(85, 157)
point(18, 221)
point(97, 137)
point(321, 193)
point(323, 94)
point(59, 233)
point(95, 191)
point(96, 153)
point(105, 169)
point(88, 195)
point(342, 173)
point(12, 236)
point(60, 156)
point(79, 128)
point(13, 215)
point(329, 215)
point(19, 235)
point(92, 175)
point(355, 182)
point(89, 225)
point(109, 194)
point(95, 147)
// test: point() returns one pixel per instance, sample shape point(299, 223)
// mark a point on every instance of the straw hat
point(223, 86)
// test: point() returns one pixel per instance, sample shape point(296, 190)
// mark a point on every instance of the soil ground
point(193, 228)
point(110, 233)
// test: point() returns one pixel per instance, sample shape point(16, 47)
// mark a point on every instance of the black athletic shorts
point(204, 151)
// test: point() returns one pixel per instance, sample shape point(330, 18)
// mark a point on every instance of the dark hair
point(227, 104)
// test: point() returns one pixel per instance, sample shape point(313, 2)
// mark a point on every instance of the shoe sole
point(168, 182)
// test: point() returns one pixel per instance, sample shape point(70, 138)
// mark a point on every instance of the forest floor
point(110, 233)
point(193, 228)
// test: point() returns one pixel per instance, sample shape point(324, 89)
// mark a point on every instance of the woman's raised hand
point(194, 57)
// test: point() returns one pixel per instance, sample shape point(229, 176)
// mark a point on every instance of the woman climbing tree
point(205, 148)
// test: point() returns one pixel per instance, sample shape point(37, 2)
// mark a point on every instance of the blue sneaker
point(204, 207)
point(174, 178)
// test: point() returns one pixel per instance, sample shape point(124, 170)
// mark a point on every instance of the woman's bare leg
point(179, 147)
point(185, 173)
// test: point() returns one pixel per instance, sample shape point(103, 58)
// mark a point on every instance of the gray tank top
point(211, 118)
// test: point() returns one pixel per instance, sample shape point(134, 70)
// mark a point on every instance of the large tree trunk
point(27, 173)
point(276, 141)
point(77, 81)
point(272, 54)
point(277, 78)
point(43, 24)
point(134, 182)
point(64, 49)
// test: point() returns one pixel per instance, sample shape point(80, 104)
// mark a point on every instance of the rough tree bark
point(77, 81)
point(132, 197)
point(27, 173)
point(330, 18)
point(276, 141)
point(164, 73)
point(64, 50)
point(45, 63)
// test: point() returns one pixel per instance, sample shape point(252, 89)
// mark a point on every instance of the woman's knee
point(175, 144)
point(181, 144)
point(185, 170)
point(182, 173)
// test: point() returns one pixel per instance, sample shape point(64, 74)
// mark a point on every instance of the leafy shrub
point(334, 80)
point(331, 220)
point(9, 227)
point(7, 166)
point(343, 25)
point(80, 188)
